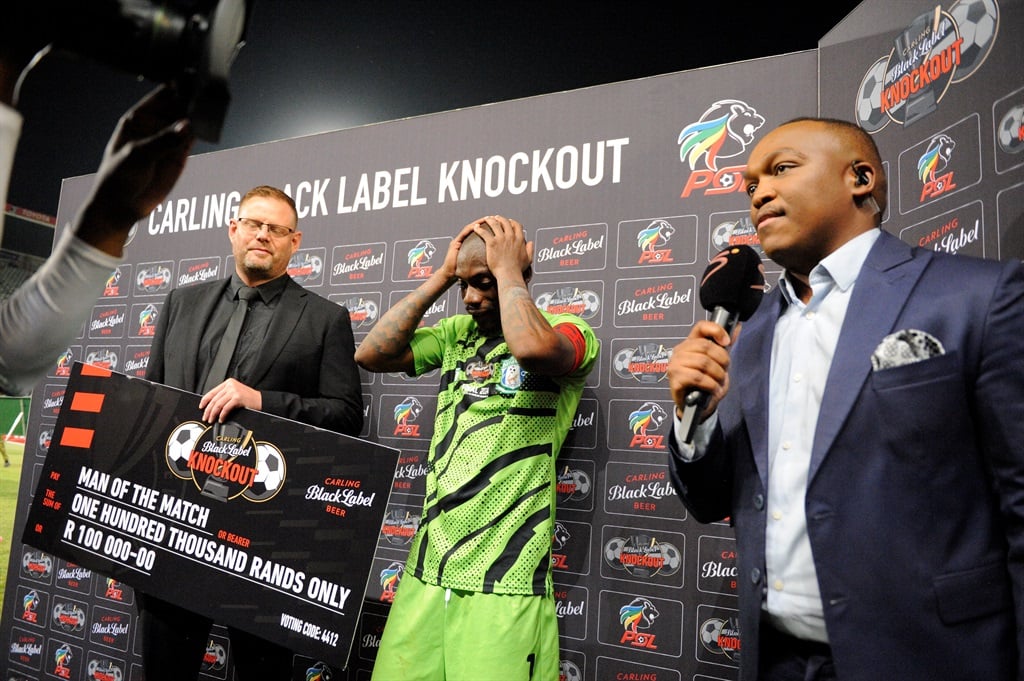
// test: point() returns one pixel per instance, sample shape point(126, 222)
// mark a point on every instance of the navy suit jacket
point(915, 493)
point(305, 369)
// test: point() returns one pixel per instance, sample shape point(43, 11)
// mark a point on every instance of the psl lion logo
point(639, 614)
point(421, 253)
point(636, 618)
point(560, 537)
point(935, 158)
point(725, 130)
point(655, 235)
point(407, 410)
point(650, 416)
point(390, 577)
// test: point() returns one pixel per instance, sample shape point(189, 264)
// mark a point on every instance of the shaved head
point(854, 138)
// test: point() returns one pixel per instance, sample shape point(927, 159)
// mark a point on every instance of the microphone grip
point(697, 400)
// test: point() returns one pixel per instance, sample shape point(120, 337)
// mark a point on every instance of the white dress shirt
point(802, 348)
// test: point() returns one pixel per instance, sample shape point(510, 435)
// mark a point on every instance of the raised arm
point(537, 345)
point(141, 164)
point(386, 347)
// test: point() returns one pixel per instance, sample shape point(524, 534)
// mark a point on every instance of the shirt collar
point(841, 265)
point(268, 291)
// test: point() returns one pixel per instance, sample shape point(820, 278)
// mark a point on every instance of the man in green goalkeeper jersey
point(476, 594)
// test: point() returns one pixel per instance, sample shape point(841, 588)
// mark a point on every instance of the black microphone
point(731, 290)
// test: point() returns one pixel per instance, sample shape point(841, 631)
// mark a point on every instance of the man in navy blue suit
point(863, 434)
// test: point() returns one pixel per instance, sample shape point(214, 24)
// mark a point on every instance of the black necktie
point(219, 368)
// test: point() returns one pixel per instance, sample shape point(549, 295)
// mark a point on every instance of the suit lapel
point(885, 281)
point(756, 336)
point(200, 316)
point(282, 326)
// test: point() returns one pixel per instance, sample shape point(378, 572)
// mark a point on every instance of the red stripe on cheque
point(77, 437)
point(91, 402)
point(93, 370)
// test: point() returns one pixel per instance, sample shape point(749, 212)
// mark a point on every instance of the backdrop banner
point(261, 523)
point(627, 191)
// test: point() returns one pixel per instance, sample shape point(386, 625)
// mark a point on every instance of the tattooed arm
point(386, 347)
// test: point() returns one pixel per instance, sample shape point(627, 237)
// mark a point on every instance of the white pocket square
point(905, 347)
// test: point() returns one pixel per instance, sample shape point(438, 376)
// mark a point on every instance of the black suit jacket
point(305, 368)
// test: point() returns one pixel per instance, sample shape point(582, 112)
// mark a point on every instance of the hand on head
point(508, 251)
point(451, 258)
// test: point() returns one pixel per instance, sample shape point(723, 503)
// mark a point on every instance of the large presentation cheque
point(261, 523)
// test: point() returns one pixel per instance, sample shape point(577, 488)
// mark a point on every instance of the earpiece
point(862, 175)
point(870, 201)
point(863, 178)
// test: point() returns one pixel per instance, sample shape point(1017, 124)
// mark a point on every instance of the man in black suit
point(294, 358)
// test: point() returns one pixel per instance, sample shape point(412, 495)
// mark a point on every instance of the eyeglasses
point(254, 227)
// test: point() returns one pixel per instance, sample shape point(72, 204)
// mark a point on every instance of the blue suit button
point(755, 576)
point(759, 502)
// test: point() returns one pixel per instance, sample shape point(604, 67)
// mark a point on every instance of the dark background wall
point(312, 66)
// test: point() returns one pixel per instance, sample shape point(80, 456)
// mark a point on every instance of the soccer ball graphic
point(672, 557)
point(215, 657)
point(1010, 129)
point(582, 482)
point(621, 362)
point(568, 671)
point(104, 669)
point(977, 21)
point(709, 632)
point(591, 304)
point(180, 444)
point(869, 97)
point(721, 233)
point(613, 549)
point(270, 473)
point(37, 563)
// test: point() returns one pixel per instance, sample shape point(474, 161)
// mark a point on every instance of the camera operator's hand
point(141, 164)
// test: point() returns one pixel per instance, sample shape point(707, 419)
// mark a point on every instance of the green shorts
point(435, 633)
